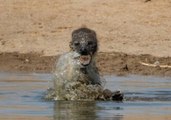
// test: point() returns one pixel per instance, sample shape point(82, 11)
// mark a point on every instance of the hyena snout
point(84, 50)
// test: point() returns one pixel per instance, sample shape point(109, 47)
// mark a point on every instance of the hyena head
point(84, 42)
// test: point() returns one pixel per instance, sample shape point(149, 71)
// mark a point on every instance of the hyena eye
point(90, 42)
point(76, 43)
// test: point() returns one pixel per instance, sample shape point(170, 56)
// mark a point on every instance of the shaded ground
point(108, 63)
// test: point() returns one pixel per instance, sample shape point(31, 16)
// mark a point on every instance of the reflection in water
point(83, 110)
point(65, 110)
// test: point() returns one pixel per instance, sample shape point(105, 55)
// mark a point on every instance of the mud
point(107, 63)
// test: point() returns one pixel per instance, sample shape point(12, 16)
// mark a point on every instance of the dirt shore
point(107, 63)
point(128, 26)
point(34, 33)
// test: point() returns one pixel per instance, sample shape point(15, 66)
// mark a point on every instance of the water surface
point(146, 97)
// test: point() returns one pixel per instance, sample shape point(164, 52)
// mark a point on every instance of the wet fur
point(69, 72)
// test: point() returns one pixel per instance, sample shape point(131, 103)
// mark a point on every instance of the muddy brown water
point(146, 97)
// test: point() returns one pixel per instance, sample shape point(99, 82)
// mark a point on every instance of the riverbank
point(107, 63)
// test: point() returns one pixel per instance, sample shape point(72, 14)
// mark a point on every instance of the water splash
point(72, 81)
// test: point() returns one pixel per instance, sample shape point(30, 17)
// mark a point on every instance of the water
point(146, 97)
